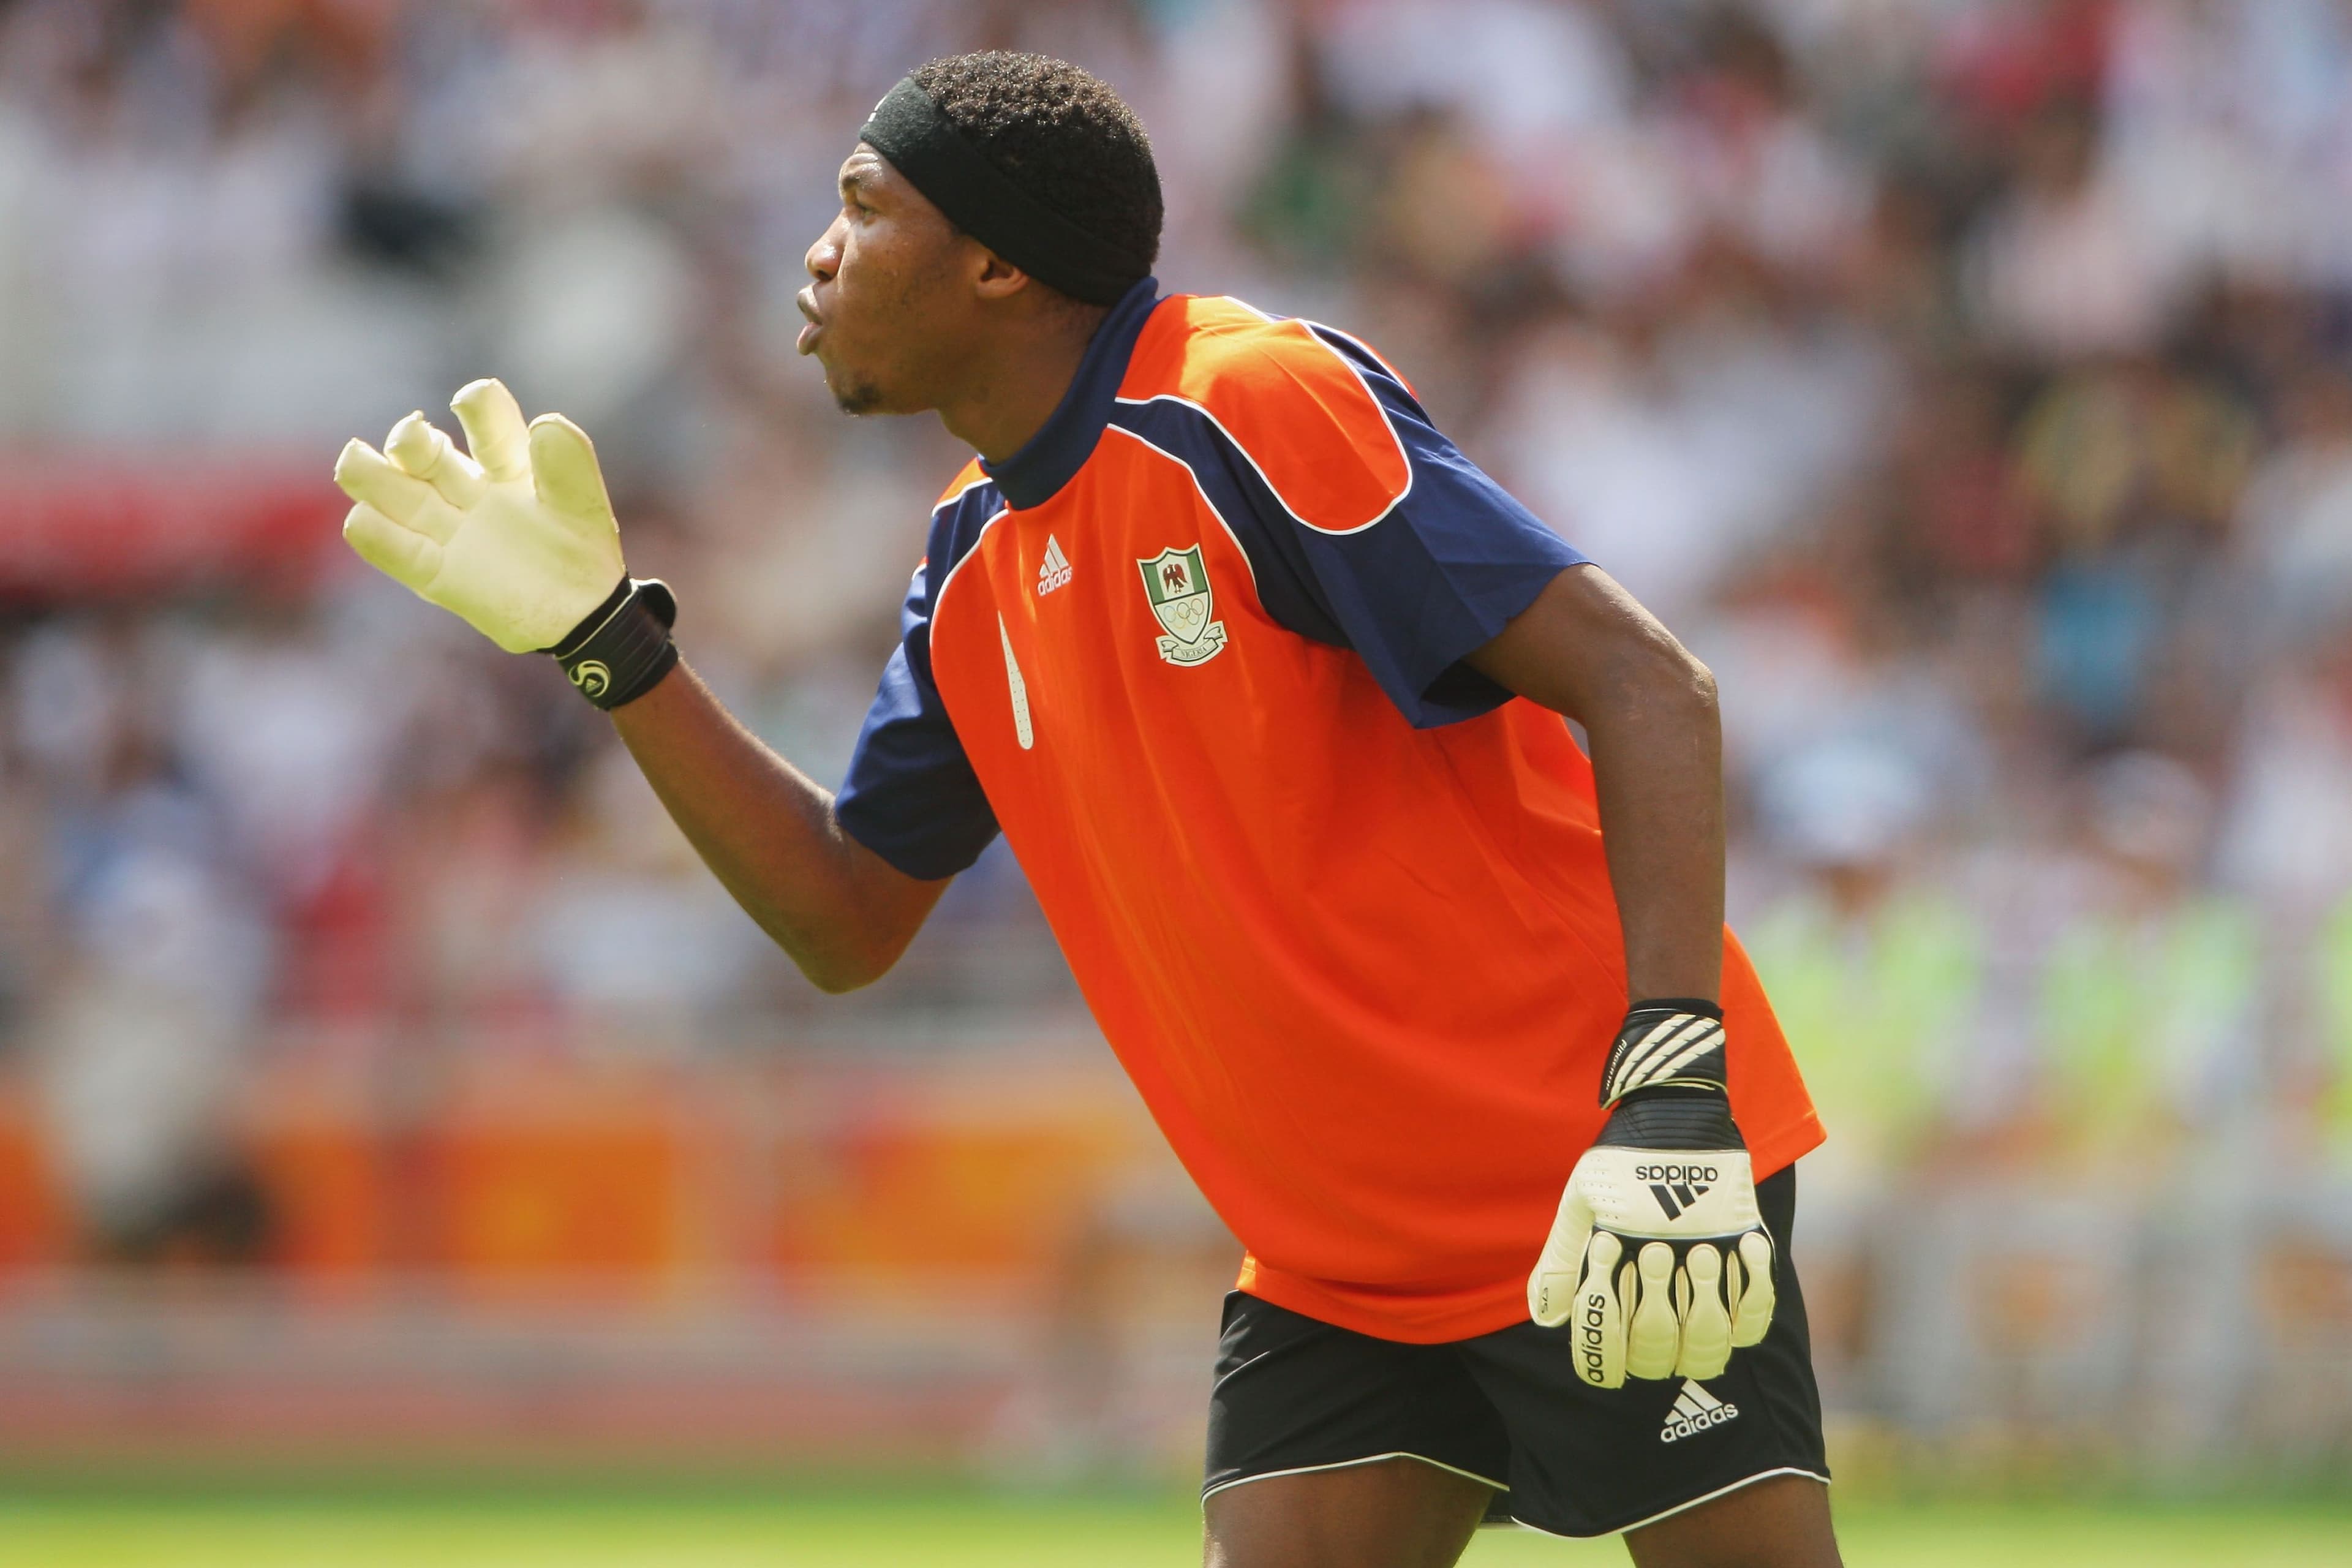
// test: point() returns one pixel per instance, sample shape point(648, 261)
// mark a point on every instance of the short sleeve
point(911, 796)
point(1366, 528)
point(1438, 577)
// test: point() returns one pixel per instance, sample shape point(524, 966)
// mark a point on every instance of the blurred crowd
point(1968, 381)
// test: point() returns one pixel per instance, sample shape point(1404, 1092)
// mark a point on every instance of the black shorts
point(1294, 1394)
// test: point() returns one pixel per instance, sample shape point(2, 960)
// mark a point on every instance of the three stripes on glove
point(1663, 1044)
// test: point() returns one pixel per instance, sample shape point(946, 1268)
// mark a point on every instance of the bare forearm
point(1657, 766)
point(768, 832)
point(1587, 650)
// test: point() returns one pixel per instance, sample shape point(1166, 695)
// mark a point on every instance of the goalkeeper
point(1263, 681)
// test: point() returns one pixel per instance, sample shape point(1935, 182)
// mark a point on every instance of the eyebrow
point(856, 181)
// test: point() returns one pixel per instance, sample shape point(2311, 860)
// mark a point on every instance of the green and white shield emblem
point(1177, 583)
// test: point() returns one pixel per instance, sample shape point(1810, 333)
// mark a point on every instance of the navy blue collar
point(1053, 457)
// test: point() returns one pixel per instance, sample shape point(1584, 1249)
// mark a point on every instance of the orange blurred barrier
point(541, 1177)
point(324, 1181)
point(906, 1196)
point(526, 1172)
point(905, 1175)
point(34, 1223)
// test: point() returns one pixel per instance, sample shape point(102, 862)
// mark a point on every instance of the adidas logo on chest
point(1695, 1411)
point(1055, 570)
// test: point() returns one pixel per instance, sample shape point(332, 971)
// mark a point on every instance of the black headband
point(980, 199)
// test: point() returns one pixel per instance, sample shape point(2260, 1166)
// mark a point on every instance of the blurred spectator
point(150, 1010)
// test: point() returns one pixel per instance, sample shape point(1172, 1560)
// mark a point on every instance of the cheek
point(870, 284)
point(897, 307)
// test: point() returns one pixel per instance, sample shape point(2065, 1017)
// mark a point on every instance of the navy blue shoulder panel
point(1415, 593)
point(911, 796)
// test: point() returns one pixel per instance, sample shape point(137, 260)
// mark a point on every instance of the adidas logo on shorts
point(1695, 1411)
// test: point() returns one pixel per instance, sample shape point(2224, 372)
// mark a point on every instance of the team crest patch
point(1177, 583)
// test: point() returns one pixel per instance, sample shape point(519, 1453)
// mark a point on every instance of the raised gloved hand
point(518, 540)
point(1658, 1257)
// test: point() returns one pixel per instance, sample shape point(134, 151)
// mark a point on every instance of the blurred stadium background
point(383, 1083)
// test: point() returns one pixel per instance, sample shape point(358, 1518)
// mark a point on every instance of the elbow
point(854, 931)
point(1667, 681)
point(1698, 687)
point(841, 961)
point(839, 973)
point(840, 982)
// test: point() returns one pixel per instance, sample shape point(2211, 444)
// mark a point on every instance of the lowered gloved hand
point(518, 540)
point(1658, 1255)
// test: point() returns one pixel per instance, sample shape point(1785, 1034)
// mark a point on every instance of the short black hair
point(1058, 132)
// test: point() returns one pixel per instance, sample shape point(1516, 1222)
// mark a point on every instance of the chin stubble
point(859, 397)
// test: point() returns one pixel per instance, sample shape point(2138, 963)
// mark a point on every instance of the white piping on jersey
point(1316, 332)
point(1262, 473)
point(941, 597)
point(1386, 424)
point(947, 502)
point(1319, 328)
point(1313, 325)
point(1020, 688)
point(1268, 316)
point(944, 502)
point(1204, 492)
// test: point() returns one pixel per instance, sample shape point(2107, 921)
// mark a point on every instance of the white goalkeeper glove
point(518, 540)
point(1658, 1256)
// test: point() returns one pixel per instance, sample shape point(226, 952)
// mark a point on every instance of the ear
point(995, 278)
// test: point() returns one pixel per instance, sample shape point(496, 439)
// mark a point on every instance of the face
point(890, 305)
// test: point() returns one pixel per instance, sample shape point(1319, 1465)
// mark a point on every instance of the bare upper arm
point(1586, 645)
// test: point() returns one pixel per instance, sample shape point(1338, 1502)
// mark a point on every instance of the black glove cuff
point(1672, 1118)
point(1661, 1005)
point(1674, 1040)
point(623, 649)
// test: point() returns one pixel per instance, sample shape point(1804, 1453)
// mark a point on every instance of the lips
point(806, 301)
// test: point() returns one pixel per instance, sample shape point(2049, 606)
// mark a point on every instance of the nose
point(824, 257)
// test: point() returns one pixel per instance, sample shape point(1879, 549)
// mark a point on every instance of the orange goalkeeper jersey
point(1338, 901)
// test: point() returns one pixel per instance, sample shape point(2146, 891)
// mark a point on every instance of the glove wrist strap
point(1673, 1041)
point(1671, 1119)
point(623, 649)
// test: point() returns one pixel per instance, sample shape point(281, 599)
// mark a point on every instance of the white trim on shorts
point(1208, 1492)
point(1680, 1506)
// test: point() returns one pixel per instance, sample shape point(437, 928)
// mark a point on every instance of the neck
point(1014, 389)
